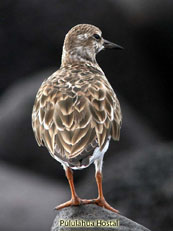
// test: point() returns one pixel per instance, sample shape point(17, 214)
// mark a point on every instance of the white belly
point(97, 154)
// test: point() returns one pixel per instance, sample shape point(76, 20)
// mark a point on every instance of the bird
point(76, 111)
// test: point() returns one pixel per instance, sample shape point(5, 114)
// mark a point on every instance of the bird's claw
point(77, 201)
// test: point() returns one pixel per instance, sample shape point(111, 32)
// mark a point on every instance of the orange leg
point(75, 200)
point(100, 199)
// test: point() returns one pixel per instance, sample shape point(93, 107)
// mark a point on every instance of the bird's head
point(83, 42)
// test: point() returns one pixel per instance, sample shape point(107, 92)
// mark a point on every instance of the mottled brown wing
point(61, 119)
point(106, 112)
point(67, 120)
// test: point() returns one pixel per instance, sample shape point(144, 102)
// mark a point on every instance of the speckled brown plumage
point(76, 109)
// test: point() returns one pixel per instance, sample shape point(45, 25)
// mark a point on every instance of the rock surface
point(133, 182)
point(27, 200)
point(138, 181)
point(92, 213)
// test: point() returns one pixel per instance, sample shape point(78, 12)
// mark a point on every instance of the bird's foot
point(75, 201)
point(102, 203)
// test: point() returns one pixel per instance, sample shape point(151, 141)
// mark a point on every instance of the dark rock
point(27, 201)
point(138, 184)
point(92, 213)
point(136, 181)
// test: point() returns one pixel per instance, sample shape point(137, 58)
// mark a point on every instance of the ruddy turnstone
point(76, 111)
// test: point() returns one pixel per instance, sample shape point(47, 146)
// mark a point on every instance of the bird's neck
point(78, 56)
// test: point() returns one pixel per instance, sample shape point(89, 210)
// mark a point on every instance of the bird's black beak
point(110, 45)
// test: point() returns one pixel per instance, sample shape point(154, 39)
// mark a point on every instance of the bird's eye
point(96, 36)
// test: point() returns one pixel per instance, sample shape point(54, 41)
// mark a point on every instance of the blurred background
point(137, 170)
